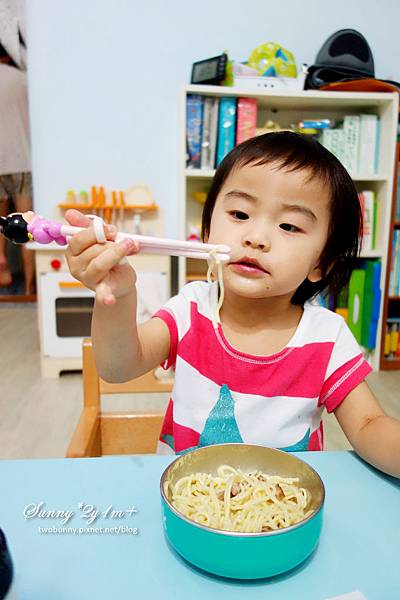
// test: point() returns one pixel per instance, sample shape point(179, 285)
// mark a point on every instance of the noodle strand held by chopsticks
point(215, 261)
point(243, 502)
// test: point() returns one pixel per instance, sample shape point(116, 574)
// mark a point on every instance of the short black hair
point(292, 151)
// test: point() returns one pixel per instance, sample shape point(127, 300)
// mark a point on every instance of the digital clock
point(210, 71)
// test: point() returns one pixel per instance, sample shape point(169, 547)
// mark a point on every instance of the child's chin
point(248, 287)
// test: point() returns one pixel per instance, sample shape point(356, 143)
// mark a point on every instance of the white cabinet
point(65, 305)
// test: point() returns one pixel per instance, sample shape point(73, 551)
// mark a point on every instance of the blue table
point(359, 546)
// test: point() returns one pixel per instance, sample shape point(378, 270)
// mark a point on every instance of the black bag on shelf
point(6, 568)
point(345, 55)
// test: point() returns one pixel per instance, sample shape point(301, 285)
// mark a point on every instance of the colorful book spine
point(333, 140)
point(392, 282)
point(371, 303)
point(338, 144)
point(226, 127)
point(369, 210)
point(392, 339)
point(326, 139)
point(395, 267)
point(194, 121)
point(368, 144)
point(246, 119)
point(351, 129)
point(206, 134)
point(375, 222)
point(356, 299)
point(214, 132)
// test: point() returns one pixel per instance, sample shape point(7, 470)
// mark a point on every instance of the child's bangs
point(289, 161)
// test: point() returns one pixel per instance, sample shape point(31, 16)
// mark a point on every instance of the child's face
point(276, 218)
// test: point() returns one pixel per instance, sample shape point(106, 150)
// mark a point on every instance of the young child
point(265, 373)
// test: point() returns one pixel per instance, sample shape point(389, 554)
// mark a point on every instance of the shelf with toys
point(350, 115)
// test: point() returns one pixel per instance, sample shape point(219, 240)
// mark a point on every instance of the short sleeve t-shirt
point(223, 395)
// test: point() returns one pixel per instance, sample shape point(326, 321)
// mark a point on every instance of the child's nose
point(257, 242)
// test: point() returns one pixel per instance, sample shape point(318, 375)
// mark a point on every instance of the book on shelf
point(368, 150)
point(333, 140)
point(394, 279)
point(226, 128)
point(392, 340)
point(351, 129)
point(194, 126)
point(359, 302)
point(364, 302)
point(355, 143)
point(216, 125)
point(246, 119)
point(370, 216)
point(372, 302)
point(209, 133)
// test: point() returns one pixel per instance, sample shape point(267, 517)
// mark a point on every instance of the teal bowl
point(242, 555)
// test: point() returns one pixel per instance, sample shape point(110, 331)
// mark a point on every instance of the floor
point(38, 416)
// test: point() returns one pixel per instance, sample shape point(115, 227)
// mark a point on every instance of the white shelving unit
point(286, 109)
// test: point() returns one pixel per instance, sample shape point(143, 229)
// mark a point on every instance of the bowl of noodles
point(242, 511)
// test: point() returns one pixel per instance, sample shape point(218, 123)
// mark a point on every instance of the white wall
point(105, 77)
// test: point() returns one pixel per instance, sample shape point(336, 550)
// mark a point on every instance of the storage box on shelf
point(286, 109)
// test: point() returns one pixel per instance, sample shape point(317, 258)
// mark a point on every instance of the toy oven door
point(65, 309)
point(65, 313)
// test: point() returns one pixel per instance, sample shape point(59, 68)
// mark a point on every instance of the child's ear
point(315, 275)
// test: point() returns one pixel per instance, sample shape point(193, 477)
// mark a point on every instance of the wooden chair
point(98, 433)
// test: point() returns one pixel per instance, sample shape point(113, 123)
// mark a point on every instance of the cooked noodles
point(215, 261)
point(243, 502)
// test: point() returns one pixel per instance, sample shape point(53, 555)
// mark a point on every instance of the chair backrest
point(94, 386)
point(99, 433)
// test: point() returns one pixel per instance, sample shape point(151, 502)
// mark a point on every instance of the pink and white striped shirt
point(223, 395)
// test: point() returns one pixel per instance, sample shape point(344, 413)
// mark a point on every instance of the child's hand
point(98, 266)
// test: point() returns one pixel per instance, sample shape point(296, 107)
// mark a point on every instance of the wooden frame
point(385, 363)
point(99, 433)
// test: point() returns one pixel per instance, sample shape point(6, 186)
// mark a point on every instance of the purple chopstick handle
point(44, 231)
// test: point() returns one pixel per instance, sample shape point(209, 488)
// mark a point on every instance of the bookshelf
point(391, 303)
point(287, 108)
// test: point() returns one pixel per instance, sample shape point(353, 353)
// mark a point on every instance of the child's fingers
point(104, 294)
point(84, 239)
point(76, 218)
point(99, 267)
point(78, 264)
point(90, 253)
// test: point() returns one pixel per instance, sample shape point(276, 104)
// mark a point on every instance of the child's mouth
point(248, 267)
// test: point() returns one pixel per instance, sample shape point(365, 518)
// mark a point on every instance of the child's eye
point(289, 227)
point(239, 215)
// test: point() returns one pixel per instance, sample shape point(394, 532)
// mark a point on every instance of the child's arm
point(122, 351)
point(373, 435)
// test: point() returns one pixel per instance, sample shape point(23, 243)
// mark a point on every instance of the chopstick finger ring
point(98, 227)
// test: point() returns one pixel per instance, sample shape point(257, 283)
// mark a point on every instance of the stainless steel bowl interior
point(247, 457)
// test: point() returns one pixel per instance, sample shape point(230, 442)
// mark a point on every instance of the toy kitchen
point(65, 305)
